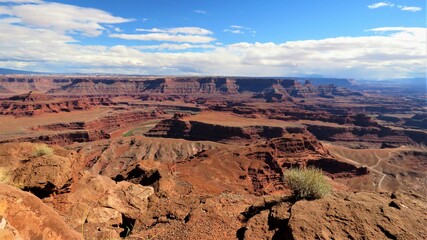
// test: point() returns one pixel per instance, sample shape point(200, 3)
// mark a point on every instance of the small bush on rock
point(307, 183)
point(42, 150)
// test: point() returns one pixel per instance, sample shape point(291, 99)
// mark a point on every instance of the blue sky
point(339, 38)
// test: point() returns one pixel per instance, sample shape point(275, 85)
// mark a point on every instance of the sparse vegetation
point(307, 183)
point(42, 150)
point(4, 175)
point(140, 129)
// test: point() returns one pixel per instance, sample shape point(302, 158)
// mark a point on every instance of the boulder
point(24, 216)
point(43, 173)
point(102, 208)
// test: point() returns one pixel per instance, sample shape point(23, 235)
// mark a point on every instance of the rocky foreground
point(84, 194)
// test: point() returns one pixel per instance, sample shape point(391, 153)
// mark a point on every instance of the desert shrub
point(42, 150)
point(307, 183)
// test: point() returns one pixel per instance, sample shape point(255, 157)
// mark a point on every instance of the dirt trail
point(380, 159)
point(370, 168)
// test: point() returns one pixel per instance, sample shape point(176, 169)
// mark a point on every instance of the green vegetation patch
point(142, 128)
point(307, 183)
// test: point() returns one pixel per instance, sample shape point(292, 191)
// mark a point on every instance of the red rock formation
point(31, 97)
point(95, 87)
point(40, 174)
point(33, 104)
point(101, 208)
point(363, 134)
point(26, 217)
point(339, 216)
point(107, 124)
point(63, 138)
point(194, 130)
point(293, 150)
point(418, 120)
point(4, 90)
point(271, 89)
point(26, 84)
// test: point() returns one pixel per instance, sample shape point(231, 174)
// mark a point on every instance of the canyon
point(149, 157)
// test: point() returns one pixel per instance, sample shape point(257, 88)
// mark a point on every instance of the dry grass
point(307, 183)
point(42, 150)
point(6, 177)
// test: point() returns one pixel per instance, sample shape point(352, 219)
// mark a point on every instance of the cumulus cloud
point(384, 52)
point(5, 11)
point(63, 17)
point(397, 52)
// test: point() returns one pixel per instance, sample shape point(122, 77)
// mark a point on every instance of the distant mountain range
point(13, 71)
point(339, 82)
point(406, 82)
point(417, 84)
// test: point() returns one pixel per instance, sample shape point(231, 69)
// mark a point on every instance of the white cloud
point(200, 11)
point(380, 4)
point(236, 29)
point(64, 18)
point(21, 1)
point(170, 46)
point(5, 11)
point(392, 5)
point(179, 34)
point(410, 9)
point(386, 52)
point(178, 30)
point(164, 37)
point(397, 52)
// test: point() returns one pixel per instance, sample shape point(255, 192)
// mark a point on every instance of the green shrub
point(42, 150)
point(307, 183)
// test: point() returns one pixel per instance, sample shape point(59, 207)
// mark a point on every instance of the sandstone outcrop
point(107, 123)
point(23, 166)
point(196, 130)
point(376, 135)
point(340, 216)
point(272, 89)
point(63, 138)
point(25, 84)
point(79, 87)
point(33, 104)
point(418, 120)
point(24, 216)
point(4, 90)
point(113, 157)
point(102, 208)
